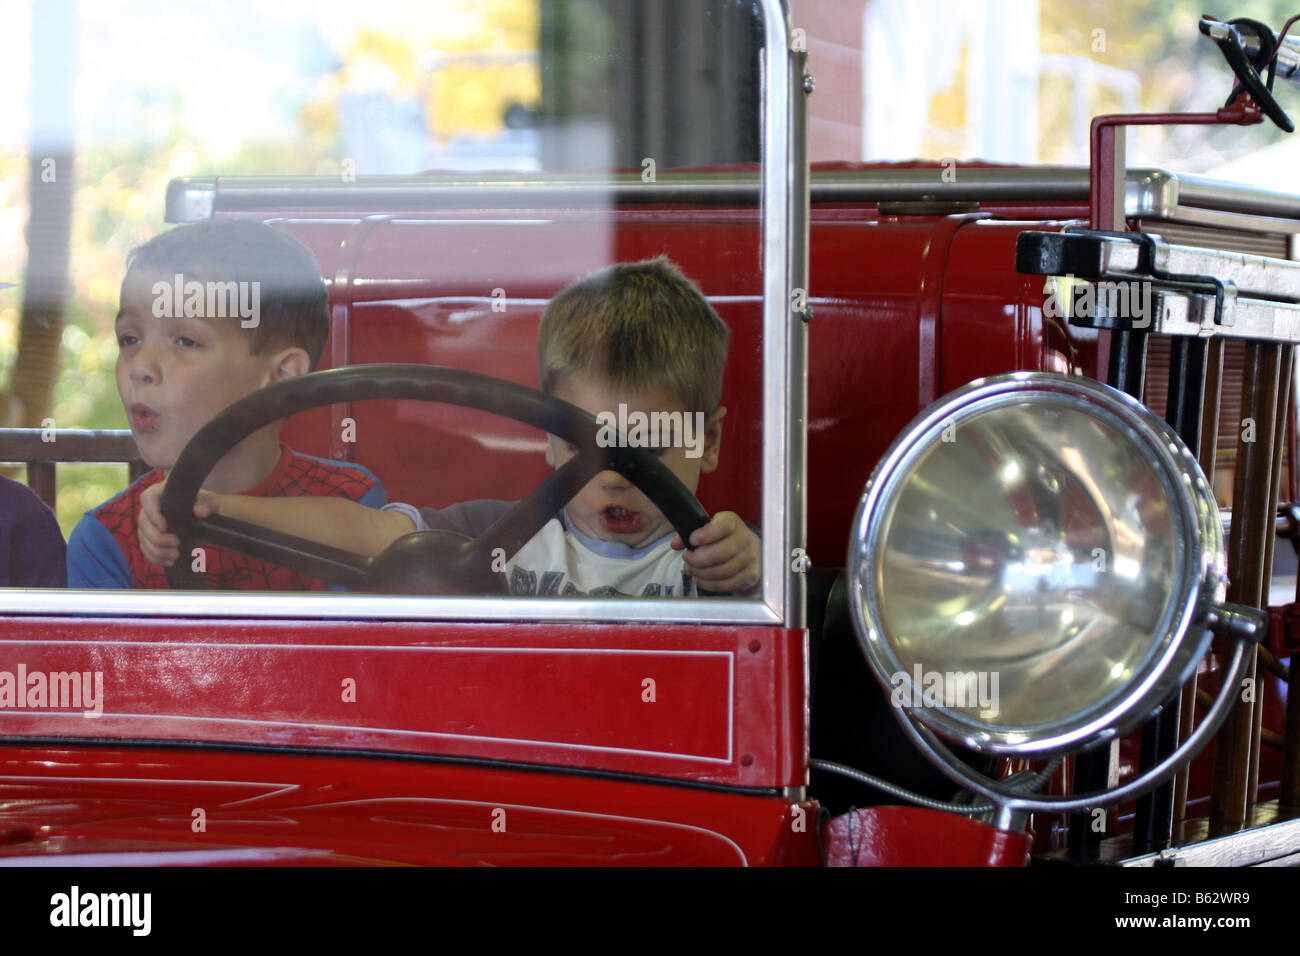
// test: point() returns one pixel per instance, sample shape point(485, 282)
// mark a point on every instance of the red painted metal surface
point(1284, 630)
point(727, 705)
point(731, 706)
point(910, 308)
point(167, 806)
point(904, 309)
point(934, 271)
point(993, 319)
point(916, 836)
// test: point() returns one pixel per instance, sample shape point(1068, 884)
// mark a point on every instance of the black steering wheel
point(424, 562)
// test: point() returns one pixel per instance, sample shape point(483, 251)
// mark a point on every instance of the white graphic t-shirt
point(560, 560)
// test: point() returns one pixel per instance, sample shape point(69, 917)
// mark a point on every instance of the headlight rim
point(1169, 658)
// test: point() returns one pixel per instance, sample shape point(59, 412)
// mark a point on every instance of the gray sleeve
point(467, 517)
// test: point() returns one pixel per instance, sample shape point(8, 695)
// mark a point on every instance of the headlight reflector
point(1030, 561)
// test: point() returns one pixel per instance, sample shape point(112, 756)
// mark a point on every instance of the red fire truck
point(988, 424)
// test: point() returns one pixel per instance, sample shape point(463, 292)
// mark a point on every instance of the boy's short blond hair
point(636, 325)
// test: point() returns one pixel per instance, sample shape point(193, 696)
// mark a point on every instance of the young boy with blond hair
point(633, 342)
point(210, 313)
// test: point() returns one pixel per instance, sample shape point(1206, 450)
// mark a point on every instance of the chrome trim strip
point(785, 378)
point(190, 199)
point(1203, 193)
point(781, 404)
point(1225, 220)
point(324, 606)
point(1150, 192)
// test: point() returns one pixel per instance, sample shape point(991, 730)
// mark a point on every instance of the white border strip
point(352, 607)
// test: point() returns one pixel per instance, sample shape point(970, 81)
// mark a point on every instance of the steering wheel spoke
point(529, 515)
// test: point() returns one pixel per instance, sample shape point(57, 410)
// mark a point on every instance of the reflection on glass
point(344, 93)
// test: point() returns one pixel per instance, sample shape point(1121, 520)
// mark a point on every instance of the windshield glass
point(232, 199)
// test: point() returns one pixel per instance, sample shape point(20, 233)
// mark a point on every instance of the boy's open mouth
point(143, 418)
point(620, 520)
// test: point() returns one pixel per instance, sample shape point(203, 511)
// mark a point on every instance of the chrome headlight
point(1033, 562)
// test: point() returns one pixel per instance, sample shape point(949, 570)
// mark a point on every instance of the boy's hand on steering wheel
point(726, 556)
point(158, 546)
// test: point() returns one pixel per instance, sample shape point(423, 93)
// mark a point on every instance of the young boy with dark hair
point(31, 544)
point(210, 313)
point(635, 341)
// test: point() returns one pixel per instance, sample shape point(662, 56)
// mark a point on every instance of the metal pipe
point(1286, 368)
point(1289, 791)
point(1207, 451)
point(1153, 821)
point(1267, 737)
point(1150, 193)
point(1127, 369)
point(1252, 526)
point(1271, 664)
point(1256, 732)
point(1128, 362)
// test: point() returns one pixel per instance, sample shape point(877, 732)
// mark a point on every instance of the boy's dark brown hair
point(636, 325)
point(293, 302)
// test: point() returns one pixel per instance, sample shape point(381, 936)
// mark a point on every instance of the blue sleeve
point(94, 558)
point(376, 497)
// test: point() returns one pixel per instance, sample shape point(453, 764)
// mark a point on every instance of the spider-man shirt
point(104, 550)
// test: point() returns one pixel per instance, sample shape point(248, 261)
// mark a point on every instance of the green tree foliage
point(1179, 70)
point(121, 187)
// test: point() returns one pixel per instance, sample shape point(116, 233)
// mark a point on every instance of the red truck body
point(322, 729)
